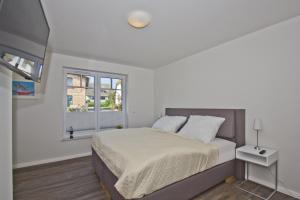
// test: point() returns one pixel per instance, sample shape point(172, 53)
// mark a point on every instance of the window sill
point(87, 135)
point(83, 135)
point(78, 137)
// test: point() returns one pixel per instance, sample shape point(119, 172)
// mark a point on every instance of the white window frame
point(97, 89)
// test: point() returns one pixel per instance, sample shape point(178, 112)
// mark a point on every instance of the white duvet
point(146, 159)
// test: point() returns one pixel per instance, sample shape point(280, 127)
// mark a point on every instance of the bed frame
point(233, 129)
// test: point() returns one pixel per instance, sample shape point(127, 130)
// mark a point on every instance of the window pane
point(69, 81)
point(105, 83)
point(117, 84)
point(108, 120)
point(76, 80)
point(90, 99)
point(111, 100)
point(69, 100)
point(88, 81)
point(80, 121)
point(80, 99)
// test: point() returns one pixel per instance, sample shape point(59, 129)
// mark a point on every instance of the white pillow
point(204, 128)
point(169, 123)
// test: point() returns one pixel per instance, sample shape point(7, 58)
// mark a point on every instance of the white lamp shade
point(257, 125)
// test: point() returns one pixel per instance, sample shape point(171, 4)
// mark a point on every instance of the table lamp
point(257, 126)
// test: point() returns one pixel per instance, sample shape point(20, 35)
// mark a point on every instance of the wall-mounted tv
point(24, 34)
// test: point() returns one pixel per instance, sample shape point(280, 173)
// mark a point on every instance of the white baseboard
point(281, 188)
point(50, 160)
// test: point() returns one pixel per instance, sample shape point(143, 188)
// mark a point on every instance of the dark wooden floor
point(75, 180)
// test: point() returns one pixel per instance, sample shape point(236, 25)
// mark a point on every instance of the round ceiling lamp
point(139, 19)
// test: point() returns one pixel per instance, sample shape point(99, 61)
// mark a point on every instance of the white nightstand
point(248, 154)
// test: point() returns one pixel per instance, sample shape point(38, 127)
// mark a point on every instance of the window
point(94, 101)
point(111, 94)
point(69, 81)
point(70, 100)
point(81, 88)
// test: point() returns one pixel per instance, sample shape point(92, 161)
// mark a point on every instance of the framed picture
point(23, 89)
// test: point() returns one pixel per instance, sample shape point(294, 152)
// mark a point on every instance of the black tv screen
point(24, 33)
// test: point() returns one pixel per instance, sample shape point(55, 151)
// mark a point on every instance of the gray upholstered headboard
point(232, 129)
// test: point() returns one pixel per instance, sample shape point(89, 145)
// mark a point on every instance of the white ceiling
point(98, 29)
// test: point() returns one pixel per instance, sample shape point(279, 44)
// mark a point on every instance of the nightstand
point(249, 154)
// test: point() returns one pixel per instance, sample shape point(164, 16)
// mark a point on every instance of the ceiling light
point(139, 19)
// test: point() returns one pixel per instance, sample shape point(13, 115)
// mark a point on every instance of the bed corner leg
point(230, 180)
point(108, 195)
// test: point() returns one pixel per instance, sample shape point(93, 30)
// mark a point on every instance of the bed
point(230, 135)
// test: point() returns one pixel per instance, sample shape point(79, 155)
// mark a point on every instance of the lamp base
point(257, 147)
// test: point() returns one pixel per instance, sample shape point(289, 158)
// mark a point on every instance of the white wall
point(259, 72)
point(5, 135)
point(38, 124)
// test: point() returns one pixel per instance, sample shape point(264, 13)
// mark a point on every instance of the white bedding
point(145, 159)
point(226, 150)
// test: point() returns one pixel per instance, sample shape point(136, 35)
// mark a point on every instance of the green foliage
point(71, 109)
point(91, 104)
point(120, 126)
point(106, 104)
point(109, 103)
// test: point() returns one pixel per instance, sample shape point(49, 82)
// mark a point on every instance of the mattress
point(226, 150)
